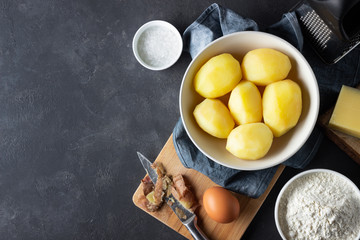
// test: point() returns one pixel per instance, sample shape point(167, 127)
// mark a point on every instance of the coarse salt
point(158, 46)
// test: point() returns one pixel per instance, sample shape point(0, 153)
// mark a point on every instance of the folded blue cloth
point(217, 21)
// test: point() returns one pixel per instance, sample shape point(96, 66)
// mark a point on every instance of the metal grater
point(324, 41)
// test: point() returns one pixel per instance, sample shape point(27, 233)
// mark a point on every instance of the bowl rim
point(299, 175)
point(163, 24)
point(315, 99)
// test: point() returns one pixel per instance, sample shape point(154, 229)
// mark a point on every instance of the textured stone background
point(75, 106)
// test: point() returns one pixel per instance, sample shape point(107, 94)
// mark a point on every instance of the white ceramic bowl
point(157, 45)
point(238, 44)
point(283, 193)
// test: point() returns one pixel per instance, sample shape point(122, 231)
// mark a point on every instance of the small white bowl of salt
point(157, 45)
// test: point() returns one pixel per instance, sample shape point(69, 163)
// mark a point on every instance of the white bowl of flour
point(318, 204)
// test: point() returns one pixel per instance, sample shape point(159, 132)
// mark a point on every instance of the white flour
point(320, 206)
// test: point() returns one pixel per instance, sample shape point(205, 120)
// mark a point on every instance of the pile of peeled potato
point(250, 120)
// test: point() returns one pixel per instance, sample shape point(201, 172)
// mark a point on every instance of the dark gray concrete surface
point(75, 106)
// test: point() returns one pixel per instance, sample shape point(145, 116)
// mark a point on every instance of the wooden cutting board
point(200, 183)
point(349, 144)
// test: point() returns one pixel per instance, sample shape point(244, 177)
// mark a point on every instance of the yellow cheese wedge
point(346, 114)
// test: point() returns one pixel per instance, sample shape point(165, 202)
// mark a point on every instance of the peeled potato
point(250, 141)
point(245, 103)
point(264, 66)
point(218, 76)
point(214, 118)
point(282, 105)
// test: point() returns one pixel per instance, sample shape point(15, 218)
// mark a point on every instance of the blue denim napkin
point(217, 21)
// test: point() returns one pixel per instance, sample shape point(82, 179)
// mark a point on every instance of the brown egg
point(221, 205)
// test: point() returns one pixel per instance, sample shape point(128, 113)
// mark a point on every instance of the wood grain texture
point(349, 144)
point(200, 183)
